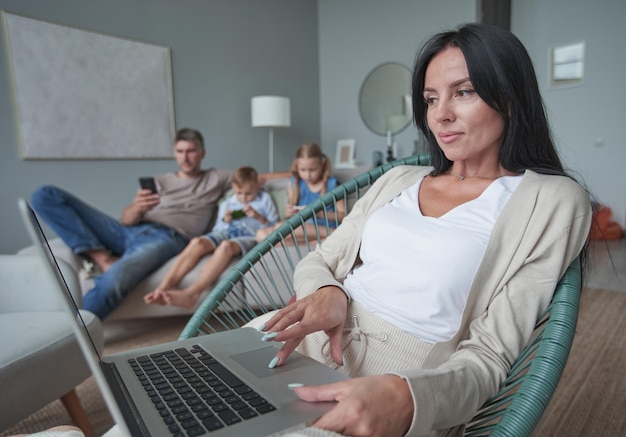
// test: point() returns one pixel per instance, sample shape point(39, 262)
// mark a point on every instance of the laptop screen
point(43, 247)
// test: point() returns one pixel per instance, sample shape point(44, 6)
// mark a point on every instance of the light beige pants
point(371, 345)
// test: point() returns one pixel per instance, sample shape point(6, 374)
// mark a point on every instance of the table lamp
point(271, 111)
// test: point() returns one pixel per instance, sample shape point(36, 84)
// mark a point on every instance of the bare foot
point(183, 298)
point(108, 263)
point(157, 296)
point(103, 259)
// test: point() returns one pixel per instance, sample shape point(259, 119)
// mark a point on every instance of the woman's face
point(465, 127)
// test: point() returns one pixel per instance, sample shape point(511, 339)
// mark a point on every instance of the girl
point(311, 179)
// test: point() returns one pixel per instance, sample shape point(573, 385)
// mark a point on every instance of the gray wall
point(358, 35)
point(588, 120)
point(223, 53)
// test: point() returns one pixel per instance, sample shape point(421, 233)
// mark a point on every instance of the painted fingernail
point(273, 363)
point(268, 337)
point(294, 385)
point(261, 328)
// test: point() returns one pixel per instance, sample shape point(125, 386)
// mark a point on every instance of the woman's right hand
point(325, 310)
point(378, 405)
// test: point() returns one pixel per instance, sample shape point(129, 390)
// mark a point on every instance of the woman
point(431, 286)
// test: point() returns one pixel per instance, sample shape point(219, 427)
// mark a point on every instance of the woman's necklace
point(462, 178)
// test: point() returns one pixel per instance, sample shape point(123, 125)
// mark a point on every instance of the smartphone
point(147, 183)
point(238, 213)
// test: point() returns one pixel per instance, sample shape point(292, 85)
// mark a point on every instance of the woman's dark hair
point(502, 74)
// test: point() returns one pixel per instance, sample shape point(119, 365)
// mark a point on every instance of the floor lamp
point(271, 111)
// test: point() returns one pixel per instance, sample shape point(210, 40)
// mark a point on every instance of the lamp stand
point(271, 165)
point(390, 147)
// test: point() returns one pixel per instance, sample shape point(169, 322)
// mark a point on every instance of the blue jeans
point(142, 248)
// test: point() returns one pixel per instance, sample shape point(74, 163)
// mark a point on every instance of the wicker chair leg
point(72, 404)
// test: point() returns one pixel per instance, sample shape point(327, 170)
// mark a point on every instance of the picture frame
point(566, 65)
point(81, 94)
point(344, 157)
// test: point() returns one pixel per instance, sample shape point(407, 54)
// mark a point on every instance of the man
point(151, 230)
point(239, 217)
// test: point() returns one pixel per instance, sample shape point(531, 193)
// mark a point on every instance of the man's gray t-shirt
point(189, 205)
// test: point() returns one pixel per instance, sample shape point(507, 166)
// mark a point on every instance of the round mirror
point(385, 99)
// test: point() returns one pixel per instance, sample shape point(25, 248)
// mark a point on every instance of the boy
point(246, 211)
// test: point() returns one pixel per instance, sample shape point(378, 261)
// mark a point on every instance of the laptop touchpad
point(256, 362)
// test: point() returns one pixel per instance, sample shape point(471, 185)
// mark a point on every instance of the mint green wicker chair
point(262, 281)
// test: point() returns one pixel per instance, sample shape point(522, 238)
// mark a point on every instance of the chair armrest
point(60, 250)
point(27, 287)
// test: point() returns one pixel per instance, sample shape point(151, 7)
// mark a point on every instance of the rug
point(590, 399)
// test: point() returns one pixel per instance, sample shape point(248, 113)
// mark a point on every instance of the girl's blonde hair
point(308, 150)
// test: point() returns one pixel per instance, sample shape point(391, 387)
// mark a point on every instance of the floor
point(607, 268)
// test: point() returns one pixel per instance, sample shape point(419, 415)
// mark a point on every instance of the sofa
point(40, 360)
point(133, 306)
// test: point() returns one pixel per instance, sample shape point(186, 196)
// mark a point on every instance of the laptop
point(213, 385)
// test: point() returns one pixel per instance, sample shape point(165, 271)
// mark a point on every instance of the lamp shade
point(271, 111)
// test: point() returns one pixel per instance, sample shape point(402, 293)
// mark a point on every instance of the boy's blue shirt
point(247, 226)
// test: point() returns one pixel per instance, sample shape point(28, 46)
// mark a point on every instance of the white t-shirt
point(417, 270)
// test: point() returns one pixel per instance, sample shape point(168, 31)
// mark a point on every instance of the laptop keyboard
point(195, 394)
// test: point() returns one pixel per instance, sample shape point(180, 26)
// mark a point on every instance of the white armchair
point(40, 360)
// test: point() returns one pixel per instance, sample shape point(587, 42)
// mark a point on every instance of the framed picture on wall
point(83, 95)
point(345, 154)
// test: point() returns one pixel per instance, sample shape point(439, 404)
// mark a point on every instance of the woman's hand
point(325, 310)
point(373, 406)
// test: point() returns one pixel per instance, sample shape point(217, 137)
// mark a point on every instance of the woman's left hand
point(372, 406)
point(325, 310)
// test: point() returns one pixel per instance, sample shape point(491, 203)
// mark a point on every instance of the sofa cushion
point(28, 339)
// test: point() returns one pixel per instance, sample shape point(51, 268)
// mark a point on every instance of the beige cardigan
point(540, 231)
